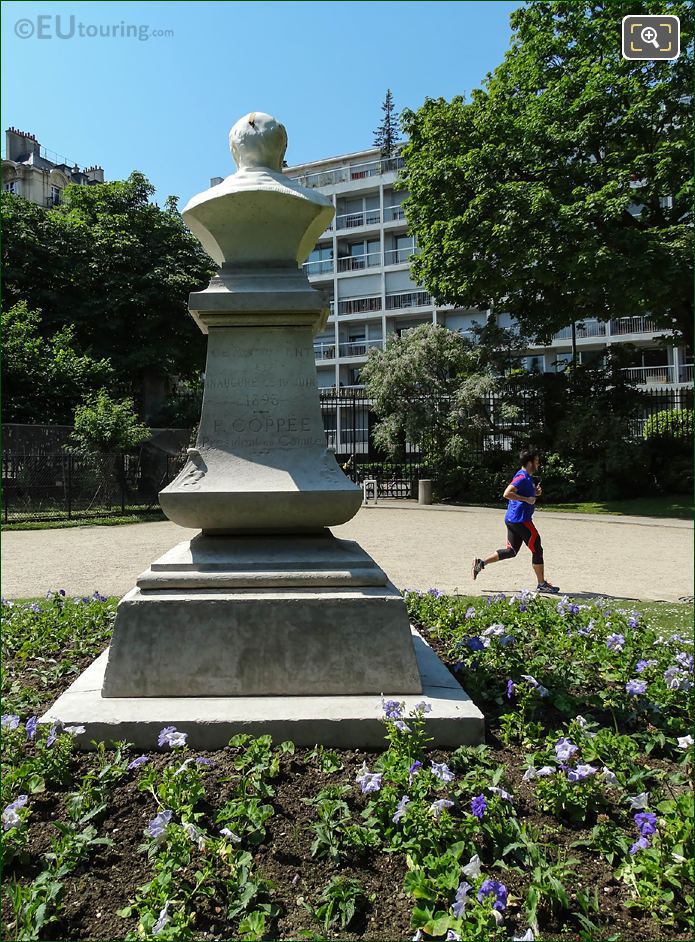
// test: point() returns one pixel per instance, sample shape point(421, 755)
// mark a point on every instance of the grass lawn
point(678, 506)
point(574, 820)
point(98, 520)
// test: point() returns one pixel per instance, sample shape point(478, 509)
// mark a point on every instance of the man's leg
point(534, 544)
point(514, 541)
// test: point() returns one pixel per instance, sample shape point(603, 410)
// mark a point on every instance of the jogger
point(521, 493)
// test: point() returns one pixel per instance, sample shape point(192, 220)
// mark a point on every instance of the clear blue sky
point(164, 105)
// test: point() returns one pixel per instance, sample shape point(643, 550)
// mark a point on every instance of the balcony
point(651, 375)
point(321, 266)
point(399, 256)
point(324, 351)
point(370, 217)
point(398, 301)
point(359, 348)
point(393, 213)
point(685, 373)
point(619, 327)
point(368, 305)
point(359, 262)
point(372, 168)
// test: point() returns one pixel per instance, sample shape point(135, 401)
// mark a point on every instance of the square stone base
point(347, 722)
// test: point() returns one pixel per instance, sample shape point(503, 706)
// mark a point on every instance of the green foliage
point(117, 267)
point(341, 901)
point(669, 423)
point(429, 388)
point(546, 192)
point(386, 135)
point(103, 425)
point(43, 377)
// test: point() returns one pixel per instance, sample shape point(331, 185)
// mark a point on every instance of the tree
point(386, 135)
point(105, 426)
point(562, 189)
point(43, 379)
point(429, 387)
point(117, 267)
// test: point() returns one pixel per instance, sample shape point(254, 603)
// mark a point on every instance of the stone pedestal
point(264, 622)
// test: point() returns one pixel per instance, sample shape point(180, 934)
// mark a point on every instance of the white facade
point(29, 171)
point(364, 258)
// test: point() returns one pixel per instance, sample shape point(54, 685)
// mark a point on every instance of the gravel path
point(419, 547)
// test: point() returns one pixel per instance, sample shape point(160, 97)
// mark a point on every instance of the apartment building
point(364, 258)
point(39, 175)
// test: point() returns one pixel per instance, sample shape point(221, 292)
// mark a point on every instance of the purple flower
point(136, 763)
point(584, 632)
point(580, 773)
point(461, 894)
point(564, 749)
point(643, 665)
point(470, 612)
point(615, 642)
point(452, 936)
point(30, 726)
point(640, 844)
point(400, 810)
point(435, 593)
point(162, 920)
point(9, 721)
point(646, 823)
point(475, 644)
point(10, 818)
point(676, 679)
point(608, 776)
point(158, 825)
point(510, 689)
point(636, 687)
point(35, 608)
point(539, 688)
point(685, 660)
point(414, 768)
point(368, 781)
point(442, 771)
point(52, 735)
point(393, 709)
point(98, 597)
point(639, 802)
point(439, 805)
point(478, 806)
point(202, 760)
point(496, 889)
point(171, 737)
point(423, 707)
point(402, 726)
point(500, 792)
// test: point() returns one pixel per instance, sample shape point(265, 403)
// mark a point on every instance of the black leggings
point(518, 533)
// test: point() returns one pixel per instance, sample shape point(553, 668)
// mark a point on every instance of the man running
point(521, 493)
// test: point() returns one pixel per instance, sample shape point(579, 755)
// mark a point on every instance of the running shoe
point(478, 566)
point(547, 587)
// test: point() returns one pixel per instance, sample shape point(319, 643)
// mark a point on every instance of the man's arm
point(511, 493)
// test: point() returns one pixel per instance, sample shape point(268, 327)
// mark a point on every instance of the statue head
point(258, 140)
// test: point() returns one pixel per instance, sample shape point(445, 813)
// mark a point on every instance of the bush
point(669, 423)
point(104, 426)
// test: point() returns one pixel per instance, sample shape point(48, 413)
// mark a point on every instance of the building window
point(11, 186)
point(55, 195)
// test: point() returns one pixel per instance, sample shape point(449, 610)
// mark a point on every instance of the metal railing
point(632, 325)
point(371, 168)
point(359, 262)
point(618, 327)
point(320, 266)
point(685, 373)
point(324, 351)
point(393, 213)
point(651, 375)
point(369, 217)
point(398, 256)
point(359, 348)
point(360, 305)
point(399, 300)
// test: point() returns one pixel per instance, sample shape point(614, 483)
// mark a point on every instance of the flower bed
point(574, 820)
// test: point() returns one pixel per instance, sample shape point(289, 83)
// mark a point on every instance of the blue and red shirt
point(518, 511)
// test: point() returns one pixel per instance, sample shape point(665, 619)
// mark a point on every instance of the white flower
point(501, 792)
point(472, 868)
point(527, 937)
point(608, 776)
point(529, 774)
point(74, 730)
point(418, 936)
point(10, 819)
point(423, 707)
point(685, 742)
point(452, 936)
point(231, 835)
point(640, 802)
point(162, 921)
point(194, 834)
point(183, 766)
point(545, 771)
